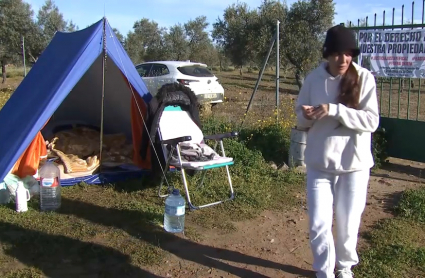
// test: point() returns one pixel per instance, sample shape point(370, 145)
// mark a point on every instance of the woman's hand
point(307, 111)
point(315, 112)
point(320, 111)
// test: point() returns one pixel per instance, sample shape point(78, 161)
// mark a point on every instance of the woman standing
point(338, 104)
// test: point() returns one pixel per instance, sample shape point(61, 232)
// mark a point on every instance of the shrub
point(265, 136)
point(257, 185)
point(412, 204)
point(256, 145)
point(271, 140)
point(379, 147)
point(213, 125)
point(5, 94)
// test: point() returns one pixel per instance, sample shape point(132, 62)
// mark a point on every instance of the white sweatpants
point(347, 193)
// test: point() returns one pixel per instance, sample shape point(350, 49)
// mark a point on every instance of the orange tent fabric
point(138, 128)
point(27, 164)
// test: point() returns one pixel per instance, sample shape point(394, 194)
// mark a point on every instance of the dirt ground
point(275, 244)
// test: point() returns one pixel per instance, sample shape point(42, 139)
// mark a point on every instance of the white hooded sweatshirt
point(341, 141)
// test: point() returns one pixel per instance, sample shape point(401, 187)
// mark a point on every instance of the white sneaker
point(344, 273)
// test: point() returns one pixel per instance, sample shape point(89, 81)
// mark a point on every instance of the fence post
point(277, 71)
point(260, 75)
point(23, 55)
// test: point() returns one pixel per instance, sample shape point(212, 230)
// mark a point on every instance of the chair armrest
point(221, 136)
point(175, 141)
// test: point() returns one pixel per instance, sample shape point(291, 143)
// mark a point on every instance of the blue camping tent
point(68, 81)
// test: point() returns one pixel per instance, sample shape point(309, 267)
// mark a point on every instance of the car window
point(158, 70)
point(195, 70)
point(143, 70)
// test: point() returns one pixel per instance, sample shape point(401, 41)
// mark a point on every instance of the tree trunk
point(240, 70)
point(299, 78)
point(3, 71)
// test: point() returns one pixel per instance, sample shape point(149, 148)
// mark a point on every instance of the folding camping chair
point(177, 128)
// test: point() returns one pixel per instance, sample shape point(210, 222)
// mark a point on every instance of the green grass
point(397, 245)
point(270, 141)
point(24, 273)
point(96, 226)
point(257, 185)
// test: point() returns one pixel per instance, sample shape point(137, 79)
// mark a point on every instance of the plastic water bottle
point(22, 196)
point(175, 206)
point(50, 187)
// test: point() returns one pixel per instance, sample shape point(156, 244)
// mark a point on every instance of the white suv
point(196, 76)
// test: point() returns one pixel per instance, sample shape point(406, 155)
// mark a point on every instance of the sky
point(122, 14)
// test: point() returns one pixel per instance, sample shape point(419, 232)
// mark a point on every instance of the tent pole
point(103, 93)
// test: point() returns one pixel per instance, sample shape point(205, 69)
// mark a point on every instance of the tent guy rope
point(138, 107)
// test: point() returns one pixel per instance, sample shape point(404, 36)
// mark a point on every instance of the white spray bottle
point(22, 196)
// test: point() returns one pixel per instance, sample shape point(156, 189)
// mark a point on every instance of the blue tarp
point(106, 178)
point(62, 64)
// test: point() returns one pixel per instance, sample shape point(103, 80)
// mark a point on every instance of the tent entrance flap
point(74, 129)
